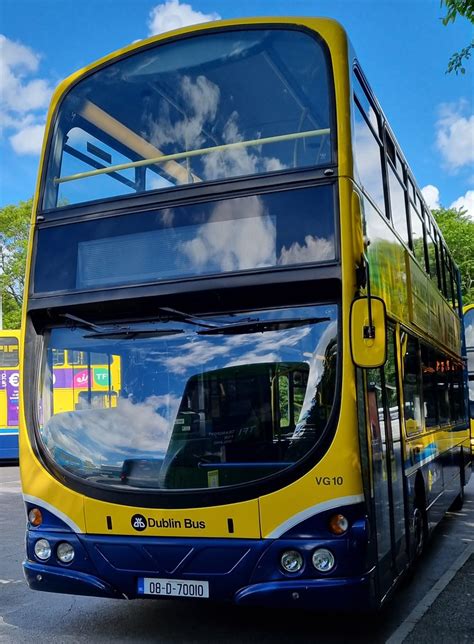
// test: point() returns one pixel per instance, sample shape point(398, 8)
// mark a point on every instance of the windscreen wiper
point(190, 318)
point(260, 326)
point(82, 322)
point(131, 334)
point(118, 331)
point(185, 317)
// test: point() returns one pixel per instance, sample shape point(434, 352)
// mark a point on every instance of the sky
point(402, 46)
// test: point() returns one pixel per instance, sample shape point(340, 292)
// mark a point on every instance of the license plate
point(173, 587)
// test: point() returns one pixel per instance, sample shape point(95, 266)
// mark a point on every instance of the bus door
point(387, 472)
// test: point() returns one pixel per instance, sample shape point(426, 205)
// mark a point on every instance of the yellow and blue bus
point(224, 215)
point(9, 393)
point(469, 331)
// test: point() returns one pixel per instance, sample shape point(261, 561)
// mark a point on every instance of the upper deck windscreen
point(203, 108)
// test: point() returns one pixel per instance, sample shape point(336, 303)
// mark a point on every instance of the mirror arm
point(369, 330)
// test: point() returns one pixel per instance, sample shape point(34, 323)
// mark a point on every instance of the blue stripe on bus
point(8, 444)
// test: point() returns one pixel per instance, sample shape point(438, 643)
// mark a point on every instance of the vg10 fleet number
point(329, 480)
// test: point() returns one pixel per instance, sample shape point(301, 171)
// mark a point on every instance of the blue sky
point(402, 45)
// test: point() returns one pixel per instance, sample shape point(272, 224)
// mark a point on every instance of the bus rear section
point(9, 394)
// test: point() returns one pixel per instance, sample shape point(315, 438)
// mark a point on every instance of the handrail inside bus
point(120, 132)
point(165, 159)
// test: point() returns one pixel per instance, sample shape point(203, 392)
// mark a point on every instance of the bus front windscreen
point(191, 110)
point(187, 403)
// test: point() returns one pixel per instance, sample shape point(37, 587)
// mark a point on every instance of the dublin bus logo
point(138, 522)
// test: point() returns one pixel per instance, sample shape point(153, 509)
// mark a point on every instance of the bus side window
point(430, 398)
point(411, 385)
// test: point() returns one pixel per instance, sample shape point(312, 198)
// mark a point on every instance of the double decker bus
point(9, 393)
point(236, 228)
point(469, 329)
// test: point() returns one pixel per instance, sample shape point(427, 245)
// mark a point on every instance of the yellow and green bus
point(9, 393)
point(469, 331)
point(224, 216)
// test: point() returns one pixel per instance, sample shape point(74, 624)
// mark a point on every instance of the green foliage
point(14, 231)
point(455, 63)
point(463, 8)
point(458, 231)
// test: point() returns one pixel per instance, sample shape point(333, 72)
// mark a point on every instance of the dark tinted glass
point(429, 367)
point(458, 407)
point(199, 109)
point(412, 384)
point(246, 233)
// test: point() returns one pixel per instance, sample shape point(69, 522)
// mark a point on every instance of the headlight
point(323, 560)
point(291, 561)
point(65, 552)
point(42, 549)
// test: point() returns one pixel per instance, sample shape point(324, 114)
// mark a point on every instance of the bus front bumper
point(352, 594)
point(349, 594)
point(73, 582)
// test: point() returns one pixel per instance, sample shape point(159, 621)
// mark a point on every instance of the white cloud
point(28, 140)
point(455, 134)
point(174, 15)
point(465, 202)
point(17, 93)
point(22, 97)
point(17, 55)
point(431, 196)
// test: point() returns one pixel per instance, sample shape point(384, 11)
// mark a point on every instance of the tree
point(14, 230)
point(458, 231)
point(463, 8)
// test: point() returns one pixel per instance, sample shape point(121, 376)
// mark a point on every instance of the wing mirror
point(368, 332)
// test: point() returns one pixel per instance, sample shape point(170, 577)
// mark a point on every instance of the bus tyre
point(419, 529)
point(458, 502)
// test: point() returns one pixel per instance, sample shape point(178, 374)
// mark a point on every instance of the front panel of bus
point(189, 191)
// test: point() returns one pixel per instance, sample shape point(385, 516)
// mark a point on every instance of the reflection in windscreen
point(180, 407)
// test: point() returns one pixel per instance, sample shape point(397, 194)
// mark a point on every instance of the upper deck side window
point(367, 144)
point(203, 108)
